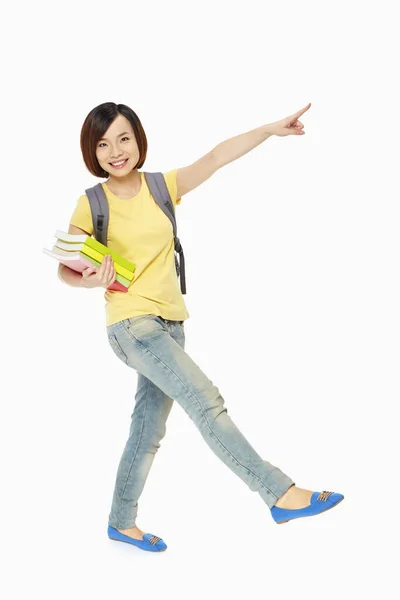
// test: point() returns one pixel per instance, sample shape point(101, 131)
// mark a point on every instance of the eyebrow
point(119, 135)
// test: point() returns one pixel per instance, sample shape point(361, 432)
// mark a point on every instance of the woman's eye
point(124, 138)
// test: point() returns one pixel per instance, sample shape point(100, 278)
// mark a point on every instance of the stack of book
point(78, 252)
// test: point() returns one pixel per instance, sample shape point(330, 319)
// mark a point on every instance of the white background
point(292, 256)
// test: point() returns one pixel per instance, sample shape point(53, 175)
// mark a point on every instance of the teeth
point(118, 163)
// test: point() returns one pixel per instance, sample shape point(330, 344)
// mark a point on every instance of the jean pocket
point(144, 327)
point(112, 338)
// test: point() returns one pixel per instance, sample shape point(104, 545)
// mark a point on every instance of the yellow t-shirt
point(142, 233)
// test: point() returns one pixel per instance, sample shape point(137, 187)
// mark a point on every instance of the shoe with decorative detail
point(149, 542)
point(319, 502)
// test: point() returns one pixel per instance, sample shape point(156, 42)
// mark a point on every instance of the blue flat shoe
point(319, 502)
point(149, 542)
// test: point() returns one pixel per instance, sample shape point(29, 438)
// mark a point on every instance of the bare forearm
point(70, 276)
point(233, 148)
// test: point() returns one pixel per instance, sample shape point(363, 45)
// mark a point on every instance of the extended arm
point(192, 176)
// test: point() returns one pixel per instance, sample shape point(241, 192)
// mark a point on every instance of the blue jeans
point(154, 347)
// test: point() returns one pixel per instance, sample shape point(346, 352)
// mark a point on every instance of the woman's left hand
point(290, 125)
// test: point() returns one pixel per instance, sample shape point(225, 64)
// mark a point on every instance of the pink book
point(79, 262)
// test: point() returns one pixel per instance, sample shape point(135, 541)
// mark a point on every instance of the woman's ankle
point(294, 498)
point(281, 501)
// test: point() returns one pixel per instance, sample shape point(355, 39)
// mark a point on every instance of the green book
point(92, 243)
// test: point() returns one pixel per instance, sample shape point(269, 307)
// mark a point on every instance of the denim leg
point(145, 344)
point(147, 429)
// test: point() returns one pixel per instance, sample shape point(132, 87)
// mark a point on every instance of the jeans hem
point(129, 526)
point(280, 496)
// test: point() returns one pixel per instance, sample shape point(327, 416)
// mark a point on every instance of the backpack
point(158, 189)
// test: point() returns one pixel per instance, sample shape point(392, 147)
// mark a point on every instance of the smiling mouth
point(118, 166)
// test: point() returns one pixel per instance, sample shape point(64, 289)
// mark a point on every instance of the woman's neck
point(125, 187)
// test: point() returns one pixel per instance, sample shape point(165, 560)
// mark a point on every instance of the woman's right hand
point(102, 276)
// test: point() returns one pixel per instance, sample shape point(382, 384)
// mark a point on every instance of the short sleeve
point(82, 215)
point(170, 179)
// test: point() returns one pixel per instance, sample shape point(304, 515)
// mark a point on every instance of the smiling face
point(118, 144)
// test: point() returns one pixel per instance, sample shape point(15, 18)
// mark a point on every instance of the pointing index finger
point(303, 110)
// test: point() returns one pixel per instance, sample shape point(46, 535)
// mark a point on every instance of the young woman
point(145, 325)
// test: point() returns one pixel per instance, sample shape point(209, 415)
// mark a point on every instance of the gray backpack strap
point(100, 211)
point(159, 191)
